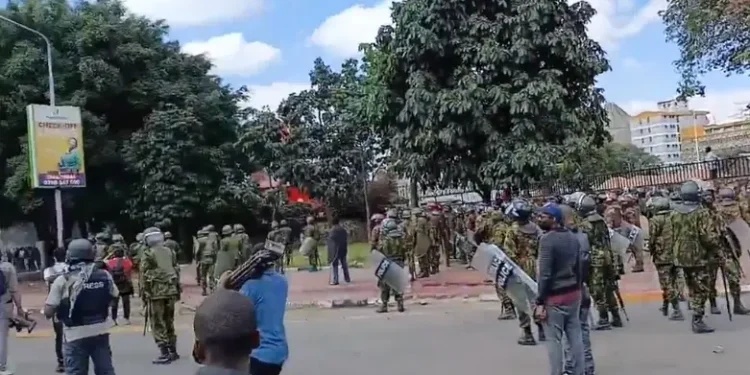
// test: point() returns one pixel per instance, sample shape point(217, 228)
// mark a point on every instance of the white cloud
point(616, 21)
point(725, 106)
point(631, 63)
point(271, 95)
point(195, 12)
point(232, 55)
point(342, 33)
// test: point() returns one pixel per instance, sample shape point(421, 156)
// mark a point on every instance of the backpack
point(118, 272)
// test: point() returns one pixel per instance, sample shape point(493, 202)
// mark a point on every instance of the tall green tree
point(590, 168)
point(134, 88)
point(486, 93)
point(712, 35)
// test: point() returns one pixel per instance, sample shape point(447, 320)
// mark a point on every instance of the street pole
point(695, 137)
point(51, 78)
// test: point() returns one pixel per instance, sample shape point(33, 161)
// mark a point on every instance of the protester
point(268, 290)
point(559, 289)
point(225, 334)
point(9, 296)
point(81, 299)
point(337, 244)
point(121, 269)
point(50, 275)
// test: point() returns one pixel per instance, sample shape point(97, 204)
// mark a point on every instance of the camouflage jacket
point(174, 245)
point(725, 215)
point(496, 234)
point(161, 273)
point(521, 243)
point(660, 239)
point(394, 248)
point(205, 253)
point(228, 255)
point(375, 236)
point(596, 228)
point(695, 238)
point(311, 231)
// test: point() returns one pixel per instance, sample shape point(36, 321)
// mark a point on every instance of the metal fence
point(724, 169)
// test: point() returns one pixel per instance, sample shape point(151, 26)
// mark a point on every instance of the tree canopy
point(485, 93)
point(712, 35)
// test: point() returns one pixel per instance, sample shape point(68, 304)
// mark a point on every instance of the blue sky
point(269, 45)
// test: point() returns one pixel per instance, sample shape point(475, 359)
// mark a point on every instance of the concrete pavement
point(445, 337)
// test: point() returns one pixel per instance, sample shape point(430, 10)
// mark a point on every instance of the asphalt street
point(447, 337)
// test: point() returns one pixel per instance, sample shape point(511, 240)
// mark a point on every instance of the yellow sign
point(55, 146)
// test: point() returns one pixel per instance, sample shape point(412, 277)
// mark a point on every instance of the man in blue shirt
point(269, 295)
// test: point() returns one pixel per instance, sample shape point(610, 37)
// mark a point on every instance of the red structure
point(294, 194)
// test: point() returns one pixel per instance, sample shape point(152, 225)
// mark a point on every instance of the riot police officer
point(80, 299)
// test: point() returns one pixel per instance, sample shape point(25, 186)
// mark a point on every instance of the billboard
point(55, 146)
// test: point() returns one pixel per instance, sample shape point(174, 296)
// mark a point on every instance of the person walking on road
point(50, 275)
point(9, 296)
point(337, 244)
point(121, 269)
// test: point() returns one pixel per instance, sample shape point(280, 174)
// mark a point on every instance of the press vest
point(92, 304)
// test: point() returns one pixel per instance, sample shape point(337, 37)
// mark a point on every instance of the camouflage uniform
point(436, 241)
point(521, 244)
point(205, 256)
point(695, 243)
point(443, 233)
point(393, 247)
point(421, 241)
point(375, 231)
point(634, 234)
point(311, 231)
point(228, 256)
point(172, 244)
point(728, 211)
point(101, 245)
point(161, 274)
point(118, 243)
point(276, 236)
point(244, 239)
point(661, 246)
point(285, 234)
point(136, 249)
point(496, 236)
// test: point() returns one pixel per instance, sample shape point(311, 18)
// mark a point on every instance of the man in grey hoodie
point(559, 280)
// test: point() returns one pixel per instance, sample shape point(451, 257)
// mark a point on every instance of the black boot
point(714, 309)
point(739, 309)
point(400, 306)
point(203, 292)
point(527, 338)
point(676, 312)
point(382, 309)
point(664, 308)
point(699, 326)
point(164, 358)
point(542, 336)
point(603, 323)
point(173, 352)
point(60, 367)
point(616, 320)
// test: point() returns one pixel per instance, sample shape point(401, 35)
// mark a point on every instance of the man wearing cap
point(559, 279)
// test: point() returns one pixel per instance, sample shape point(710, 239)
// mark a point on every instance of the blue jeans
point(335, 269)
point(78, 352)
point(588, 356)
point(563, 321)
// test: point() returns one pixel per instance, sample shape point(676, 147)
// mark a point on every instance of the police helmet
point(586, 205)
point(139, 237)
point(102, 236)
point(227, 229)
point(239, 228)
point(377, 217)
point(310, 219)
point(660, 204)
point(573, 199)
point(690, 192)
point(283, 223)
point(118, 238)
point(202, 233)
point(167, 235)
point(392, 229)
point(210, 228)
point(519, 210)
point(153, 236)
point(726, 196)
point(274, 224)
point(80, 250)
point(392, 214)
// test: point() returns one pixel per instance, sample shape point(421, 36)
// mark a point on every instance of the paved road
point(445, 337)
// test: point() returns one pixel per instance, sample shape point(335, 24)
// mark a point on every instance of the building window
point(650, 139)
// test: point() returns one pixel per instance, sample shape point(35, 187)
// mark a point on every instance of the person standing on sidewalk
point(50, 275)
point(559, 290)
point(337, 244)
point(9, 296)
point(121, 269)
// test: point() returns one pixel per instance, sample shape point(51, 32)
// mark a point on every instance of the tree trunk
point(413, 193)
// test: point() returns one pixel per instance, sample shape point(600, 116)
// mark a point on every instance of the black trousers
point(261, 368)
point(125, 306)
point(58, 326)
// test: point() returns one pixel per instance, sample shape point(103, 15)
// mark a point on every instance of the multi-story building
point(619, 123)
point(726, 140)
point(667, 131)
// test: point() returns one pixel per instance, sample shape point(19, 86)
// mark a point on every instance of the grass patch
point(359, 253)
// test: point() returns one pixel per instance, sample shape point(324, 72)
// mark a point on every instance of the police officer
point(80, 299)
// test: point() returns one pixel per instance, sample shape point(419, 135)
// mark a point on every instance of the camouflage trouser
point(447, 249)
point(506, 302)
point(434, 254)
point(731, 272)
point(602, 290)
point(668, 276)
point(161, 315)
point(206, 272)
point(314, 258)
point(386, 291)
point(698, 282)
point(424, 263)
point(713, 273)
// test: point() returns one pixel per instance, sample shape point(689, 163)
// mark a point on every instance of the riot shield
point(619, 243)
point(307, 246)
point(741, 231)
point(506, 274)
point(644, 227)
point(273, 246)
point(389, 272)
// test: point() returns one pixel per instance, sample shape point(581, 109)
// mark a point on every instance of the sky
point(269, 46)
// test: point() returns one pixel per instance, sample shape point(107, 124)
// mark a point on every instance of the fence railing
point(723, 169)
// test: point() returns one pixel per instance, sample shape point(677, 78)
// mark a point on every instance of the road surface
point(443, 338)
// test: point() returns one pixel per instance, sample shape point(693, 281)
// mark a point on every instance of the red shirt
point(127, 265)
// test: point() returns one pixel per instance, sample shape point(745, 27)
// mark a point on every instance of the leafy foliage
point(158, 129)
point(712, 35)
point(486, 93)
point(576, 171)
